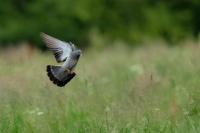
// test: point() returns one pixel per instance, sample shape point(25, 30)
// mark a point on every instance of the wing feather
point(60, 48)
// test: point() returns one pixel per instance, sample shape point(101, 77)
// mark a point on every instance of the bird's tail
point(58, 76)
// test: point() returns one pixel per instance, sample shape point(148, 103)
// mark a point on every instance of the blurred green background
point(132, 21)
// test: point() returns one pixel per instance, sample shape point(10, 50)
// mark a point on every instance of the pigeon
point(64, 52)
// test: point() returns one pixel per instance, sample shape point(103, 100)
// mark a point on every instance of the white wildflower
point(157, 109)
point(35, 111)
point(107, 109)
point(40, 113)
point(136, 69)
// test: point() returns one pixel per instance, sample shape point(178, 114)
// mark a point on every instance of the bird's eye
point(78, 56)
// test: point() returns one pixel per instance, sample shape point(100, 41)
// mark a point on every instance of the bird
point(64, 52)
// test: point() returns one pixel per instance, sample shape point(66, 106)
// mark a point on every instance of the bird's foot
point(69, 71)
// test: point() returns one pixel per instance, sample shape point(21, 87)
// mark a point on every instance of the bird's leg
point(69, 71)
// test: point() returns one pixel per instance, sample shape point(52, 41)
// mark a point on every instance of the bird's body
point(64, 52)
point(71, 62)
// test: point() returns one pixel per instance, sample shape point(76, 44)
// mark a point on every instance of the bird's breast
point(70, 63)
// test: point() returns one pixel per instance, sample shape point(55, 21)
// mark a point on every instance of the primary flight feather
point(63, 52)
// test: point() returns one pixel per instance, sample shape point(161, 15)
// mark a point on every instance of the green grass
point(147, 89)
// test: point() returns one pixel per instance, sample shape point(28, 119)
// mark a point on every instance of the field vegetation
point(152, 88)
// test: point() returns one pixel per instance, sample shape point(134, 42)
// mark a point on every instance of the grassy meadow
point(147, 89)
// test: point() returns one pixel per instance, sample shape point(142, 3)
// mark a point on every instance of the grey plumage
point(63, 52)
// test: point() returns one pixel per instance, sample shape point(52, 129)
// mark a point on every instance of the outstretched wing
point(60, 48)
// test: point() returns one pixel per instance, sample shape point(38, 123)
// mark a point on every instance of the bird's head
point(76, 54)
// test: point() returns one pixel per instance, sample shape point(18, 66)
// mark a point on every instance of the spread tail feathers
point(59, 76)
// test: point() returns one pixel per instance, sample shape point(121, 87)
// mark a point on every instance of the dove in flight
point(64, 52)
